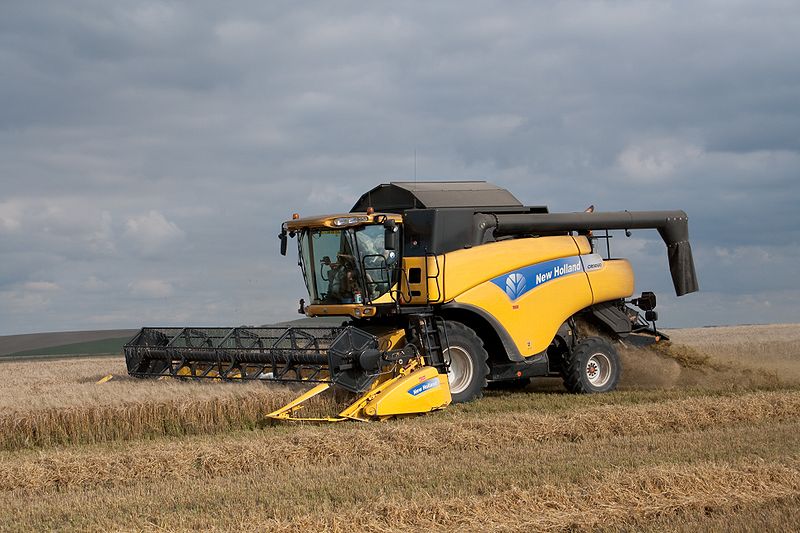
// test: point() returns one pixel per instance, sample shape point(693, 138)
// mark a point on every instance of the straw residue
point(613, 499)
point(313, 445)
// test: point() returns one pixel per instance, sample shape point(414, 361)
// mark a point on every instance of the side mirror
point(391, 235)
point(282, 236)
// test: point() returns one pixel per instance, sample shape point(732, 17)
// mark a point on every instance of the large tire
point(593, 366)
point(467, 358)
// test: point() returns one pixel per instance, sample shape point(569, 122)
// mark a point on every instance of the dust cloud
point(668, 365)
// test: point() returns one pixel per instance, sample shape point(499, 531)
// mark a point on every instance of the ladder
point(433, 337)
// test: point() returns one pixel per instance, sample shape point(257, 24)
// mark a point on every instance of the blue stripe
point(517, 283)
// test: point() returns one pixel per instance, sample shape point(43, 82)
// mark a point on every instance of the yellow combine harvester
point(444, 287)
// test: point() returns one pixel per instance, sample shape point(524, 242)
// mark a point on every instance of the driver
point(342, 284)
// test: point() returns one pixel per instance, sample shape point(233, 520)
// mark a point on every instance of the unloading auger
point(442, 287)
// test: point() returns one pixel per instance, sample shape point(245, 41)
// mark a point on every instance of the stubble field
point(702, 435)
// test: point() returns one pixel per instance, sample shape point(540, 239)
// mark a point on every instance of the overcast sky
point(150, 150)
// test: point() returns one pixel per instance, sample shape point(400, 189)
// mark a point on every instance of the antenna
point(415, 165)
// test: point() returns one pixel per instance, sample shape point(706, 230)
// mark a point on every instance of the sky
point(150, 150)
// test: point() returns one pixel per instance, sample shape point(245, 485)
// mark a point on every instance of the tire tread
point(483, 355)
point(573, 376)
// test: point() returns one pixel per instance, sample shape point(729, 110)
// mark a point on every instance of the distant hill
point(99, 342)
point(65, 343)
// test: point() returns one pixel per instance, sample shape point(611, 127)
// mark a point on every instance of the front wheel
point(593, 366)
point(467, 357)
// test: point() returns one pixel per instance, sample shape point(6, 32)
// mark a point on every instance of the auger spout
point(673, 226)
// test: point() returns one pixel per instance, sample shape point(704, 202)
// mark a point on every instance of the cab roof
point(400, 196)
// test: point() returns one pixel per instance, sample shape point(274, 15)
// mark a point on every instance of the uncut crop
point(60, 402)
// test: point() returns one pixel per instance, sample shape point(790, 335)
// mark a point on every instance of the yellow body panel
point(354, 310)
point(464, 269)
point(387, 298)
point(429, 286)
point(614, 280)
point(533, 320)
point(287, 411)
point(388, 338)
point(412, 389)
point(420, 391)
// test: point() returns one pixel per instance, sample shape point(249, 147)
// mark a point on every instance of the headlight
point(347, 221)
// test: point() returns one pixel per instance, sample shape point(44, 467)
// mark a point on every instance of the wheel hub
point(598, 369)
point(460, 372)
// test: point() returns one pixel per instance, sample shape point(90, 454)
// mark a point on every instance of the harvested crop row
point(285, 491)
point(403, 439)
point(614, 499)
point(777, 514)
point(611, 497)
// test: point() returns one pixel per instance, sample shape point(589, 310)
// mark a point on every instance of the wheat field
point(701, 435)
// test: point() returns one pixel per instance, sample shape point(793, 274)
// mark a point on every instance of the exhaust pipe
point(673, 226)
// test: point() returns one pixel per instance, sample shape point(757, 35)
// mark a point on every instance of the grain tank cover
point(399, 196)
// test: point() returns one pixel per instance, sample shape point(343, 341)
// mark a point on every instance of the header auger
point(442, 288)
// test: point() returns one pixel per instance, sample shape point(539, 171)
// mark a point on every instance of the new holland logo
point(416, 390)
point(515, 285)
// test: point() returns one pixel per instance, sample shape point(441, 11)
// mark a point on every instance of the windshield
point(343, 266)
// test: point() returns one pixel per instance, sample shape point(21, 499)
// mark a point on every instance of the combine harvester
point(445, 287)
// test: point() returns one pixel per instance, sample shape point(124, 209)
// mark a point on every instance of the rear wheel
point(593, 366)
point(467, 358)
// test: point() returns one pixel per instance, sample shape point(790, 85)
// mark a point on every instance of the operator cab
point(346, 266)
point(347, 260)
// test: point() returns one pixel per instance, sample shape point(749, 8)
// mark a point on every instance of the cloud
point(154, 149)
point(94, 284)
point(26, 303)
point(151, 233)
point(41, 286)
point(239, 32)
point(101, 239)
point(9, 217)
point(151, 288)
point(493, 126)
point(656, 160)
